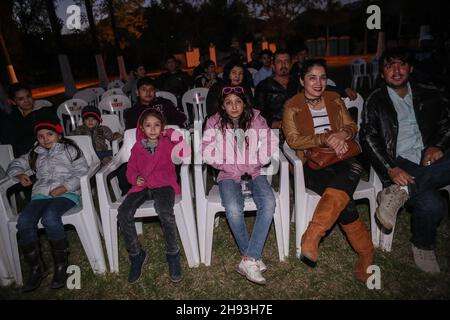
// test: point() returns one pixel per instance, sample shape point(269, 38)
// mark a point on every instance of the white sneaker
point(390, 200)
point(425, 260)
point(249, 268)
point(262, 266)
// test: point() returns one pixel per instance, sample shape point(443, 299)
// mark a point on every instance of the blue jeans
point(426, 204)
point(233, 201)
point(50, 212)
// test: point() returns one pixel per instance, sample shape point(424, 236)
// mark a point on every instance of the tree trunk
point(327, 42)
point(365, 41)
point(9, 65)
point(380, 44)
point(11, 45)
point(120, 61)
point(66, 72)
point(102, 75)
point(4, 106)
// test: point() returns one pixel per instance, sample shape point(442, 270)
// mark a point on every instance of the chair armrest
point(297, 164)
point(115, 145)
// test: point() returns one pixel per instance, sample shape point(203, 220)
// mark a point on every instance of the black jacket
point(177, 83)
point(166, 107)
point(379, 128)
point(17, 130)
point(270, 97)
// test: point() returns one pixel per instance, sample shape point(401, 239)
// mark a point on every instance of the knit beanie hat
point(90, 111)
point(50, 121)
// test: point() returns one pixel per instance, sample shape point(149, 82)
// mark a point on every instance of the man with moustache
point(273, 92)
point(406, 133)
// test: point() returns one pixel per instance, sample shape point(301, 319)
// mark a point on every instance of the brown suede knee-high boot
point(359, 237)
point(328, 209)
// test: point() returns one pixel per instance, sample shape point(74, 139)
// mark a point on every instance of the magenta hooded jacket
point(158, 168)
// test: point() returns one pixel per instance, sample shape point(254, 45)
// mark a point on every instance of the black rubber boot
point(173, 259)
point(38, 269)
point(60, 253)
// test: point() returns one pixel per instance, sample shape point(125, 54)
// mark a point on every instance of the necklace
point(313, 102)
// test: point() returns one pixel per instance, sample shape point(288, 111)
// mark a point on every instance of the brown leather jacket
point(298, 126)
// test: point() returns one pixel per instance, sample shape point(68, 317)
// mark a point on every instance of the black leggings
point(344, 176)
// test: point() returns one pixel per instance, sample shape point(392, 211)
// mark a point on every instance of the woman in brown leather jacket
point(316, 117)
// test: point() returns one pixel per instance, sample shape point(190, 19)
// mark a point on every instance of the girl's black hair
point(66, 142)
point(309, 63)
point(246, 116)
point(151, 112)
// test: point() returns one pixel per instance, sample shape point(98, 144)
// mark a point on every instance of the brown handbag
point(321, 157)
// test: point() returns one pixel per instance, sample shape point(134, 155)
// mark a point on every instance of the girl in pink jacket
point(238, 142)
point(151, 172)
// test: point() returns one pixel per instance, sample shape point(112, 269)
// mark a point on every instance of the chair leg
point(209, 238)
point(184, 237)
point(279, 232)
point(93, 249)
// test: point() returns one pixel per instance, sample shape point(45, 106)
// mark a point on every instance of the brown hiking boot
point(328, 209)
point(390, 200)
point(359, 238)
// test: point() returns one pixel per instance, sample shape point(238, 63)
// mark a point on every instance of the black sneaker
point(137, 263)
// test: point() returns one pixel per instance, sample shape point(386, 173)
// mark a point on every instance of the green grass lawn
point(331, 279)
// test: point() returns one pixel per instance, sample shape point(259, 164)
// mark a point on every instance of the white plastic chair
point(82, 217)
point(98, 91)
point(6, 156)
point(359, 71)
point(183, 209)
point(252, 71)
point(306, 200)
point(39, 104)
point(72, 109)
point(168, 95)
point(209, 204)
point(331, 82)
point(115, 104)
point(87, 95)
point(6, 274)
point(358, 103)
point(113, 92)
point(197, 98)
point(115, 84)
point(112, 121)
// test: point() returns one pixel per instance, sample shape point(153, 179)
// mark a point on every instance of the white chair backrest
point(115, 104)
point(70, 108)
point(167, 95)
point(252, 71)
point(98, 91)
point(197, 98)
point(85, 144)
point(112, 92)
point(38, 104)
point(358, 67)
point(112, 121)
point(220, 75)
point(331, 83)
point(115, 84)
point(87, 95)
point(6, 155)
point(358, 103)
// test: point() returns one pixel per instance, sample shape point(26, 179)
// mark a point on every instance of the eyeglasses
point(228, 90)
